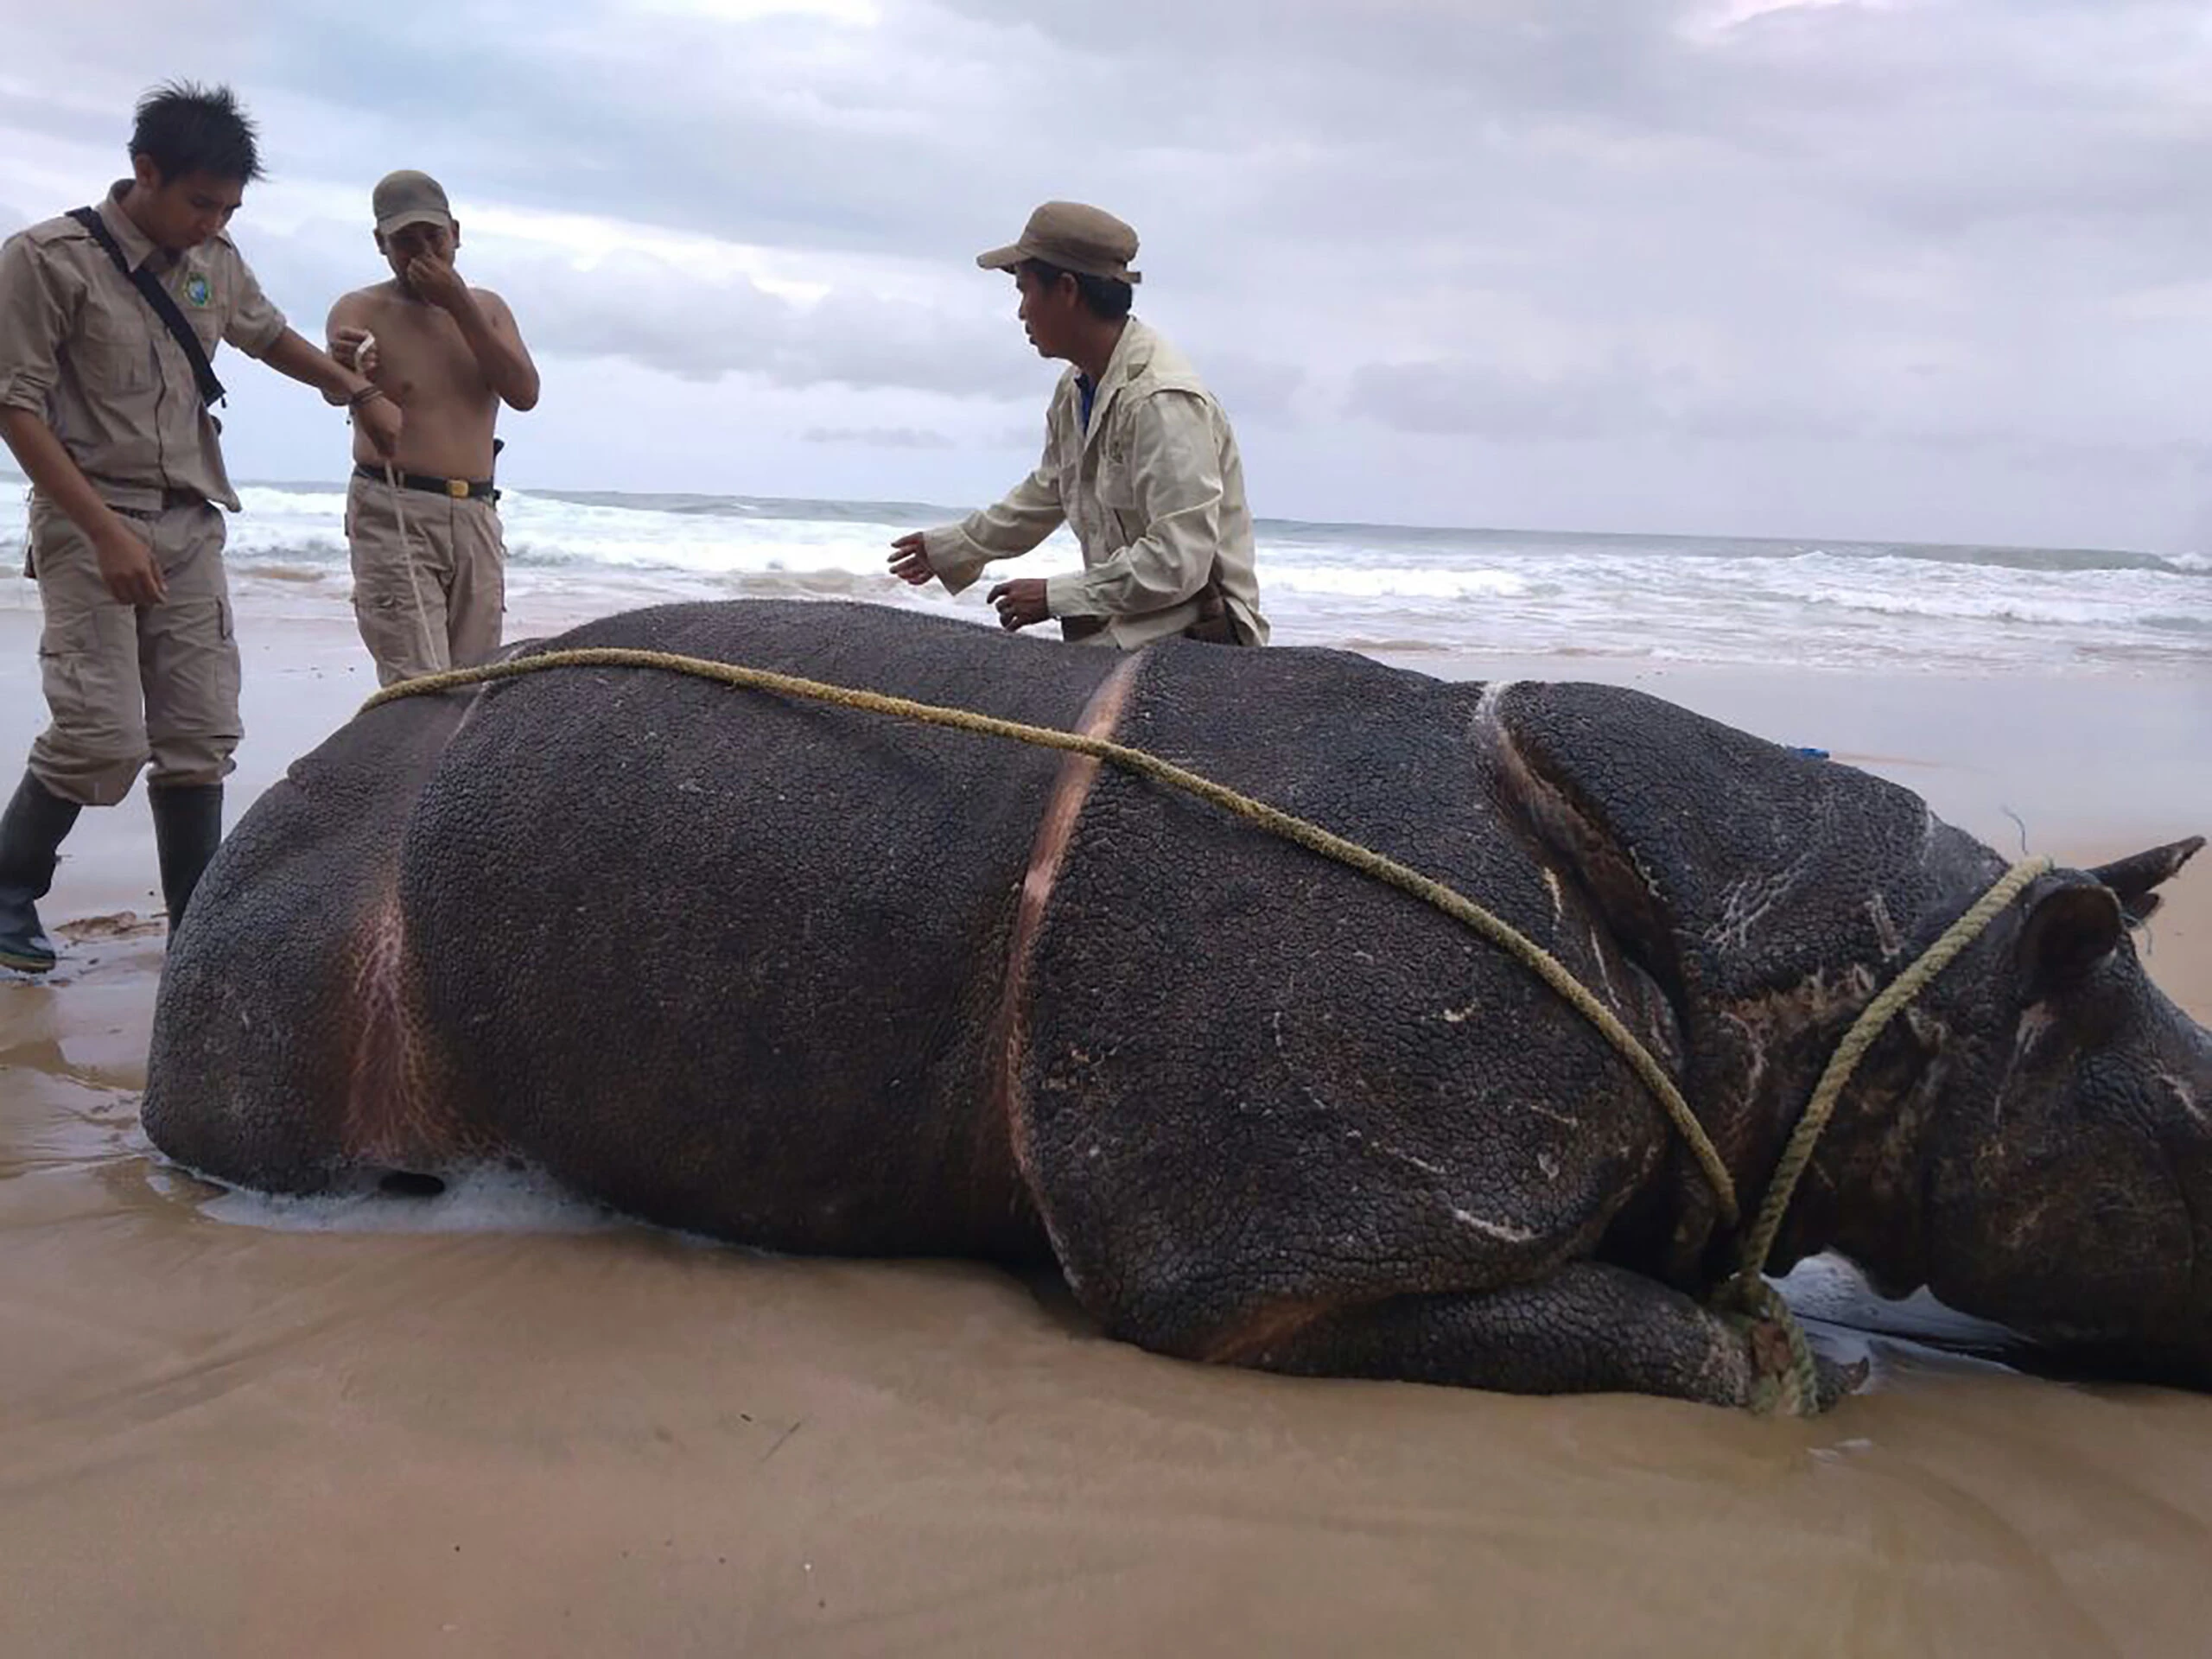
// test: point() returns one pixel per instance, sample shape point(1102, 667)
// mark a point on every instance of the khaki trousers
point(435, 598)
point(126, 684)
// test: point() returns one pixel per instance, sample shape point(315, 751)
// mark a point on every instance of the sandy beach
point(496, 1425)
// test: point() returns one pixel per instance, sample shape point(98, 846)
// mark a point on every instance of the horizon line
point(338, 488)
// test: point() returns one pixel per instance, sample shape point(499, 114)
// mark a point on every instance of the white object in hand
point(364, 355)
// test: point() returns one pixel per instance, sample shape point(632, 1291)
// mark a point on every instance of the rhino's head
point(2069, 1183)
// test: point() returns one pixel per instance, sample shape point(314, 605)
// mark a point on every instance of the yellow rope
point(1870, 1024)
point(1748, 1293)
point(1301, 831)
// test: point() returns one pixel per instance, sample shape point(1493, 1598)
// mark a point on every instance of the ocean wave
point(1399, 583)
point(2055, 561)
point(2010, 606)
point(1393, 590)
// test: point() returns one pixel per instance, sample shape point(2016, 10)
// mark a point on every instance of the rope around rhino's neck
point(1749, 1288)
point(1758, 1244)
point(1747, 1293)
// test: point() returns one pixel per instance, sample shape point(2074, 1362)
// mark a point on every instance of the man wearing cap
point(1139, 460)
point(111, 316)
point(429, 580)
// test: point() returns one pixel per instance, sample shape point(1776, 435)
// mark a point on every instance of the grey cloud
point(1621, 399)
point(879, 437)
point(1401, 110)
point(2116, 457)
point(702, 329)
point(581, 109)
point(1472, 400)
point(1252, 389)
point(661, 315)
point(1476, 221)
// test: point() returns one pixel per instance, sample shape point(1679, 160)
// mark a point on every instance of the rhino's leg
point(1588, 1328)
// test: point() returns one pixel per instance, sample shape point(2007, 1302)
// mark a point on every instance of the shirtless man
point(430, 583)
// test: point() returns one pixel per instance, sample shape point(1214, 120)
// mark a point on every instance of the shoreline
point(592, 495)
point(517, 1432)
point(2085, 768)
point(1891, 609)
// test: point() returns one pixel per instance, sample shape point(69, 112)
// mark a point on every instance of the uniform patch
point(196, 288)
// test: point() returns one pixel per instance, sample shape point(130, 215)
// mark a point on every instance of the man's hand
point(1019, 603)
point(910, 559)
point(436, 283)
point(346, 344)
point(379, 420)
point(127, 565)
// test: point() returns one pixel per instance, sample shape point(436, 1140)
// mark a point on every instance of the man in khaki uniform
point(1138, 459)
point(429, 577)
point(105, 392)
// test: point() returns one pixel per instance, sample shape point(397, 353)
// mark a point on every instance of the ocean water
point(1403, 591)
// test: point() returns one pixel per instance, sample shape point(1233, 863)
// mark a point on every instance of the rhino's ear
point(2068, 931)
point(2132, 879)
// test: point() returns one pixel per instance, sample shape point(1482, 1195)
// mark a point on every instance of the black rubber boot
point(188, 827)
point(31, 832)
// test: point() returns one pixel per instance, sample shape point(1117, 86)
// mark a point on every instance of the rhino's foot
point(1589, 1328)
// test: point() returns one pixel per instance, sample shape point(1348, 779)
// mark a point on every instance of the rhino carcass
point(815, 980)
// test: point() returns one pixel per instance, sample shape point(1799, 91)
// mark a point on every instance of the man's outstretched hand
point(910, 559)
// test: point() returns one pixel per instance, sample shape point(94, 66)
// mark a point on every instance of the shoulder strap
point(203, 372)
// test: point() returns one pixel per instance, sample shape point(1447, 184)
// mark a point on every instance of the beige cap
point(407, 198)
point(1074, 237)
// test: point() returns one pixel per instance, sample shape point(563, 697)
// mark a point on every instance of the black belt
point(460, 489)
point(171, 500)
point(1214, 626)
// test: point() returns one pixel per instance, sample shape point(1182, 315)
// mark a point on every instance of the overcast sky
point(1936, 270)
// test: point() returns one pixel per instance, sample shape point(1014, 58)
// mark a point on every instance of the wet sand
point(230, 1428)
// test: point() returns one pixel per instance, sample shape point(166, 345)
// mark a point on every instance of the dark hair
point(185, 128)
point(1107, 296)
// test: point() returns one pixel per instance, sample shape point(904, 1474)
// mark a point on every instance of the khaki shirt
point(81, 349)
point(1154, 490)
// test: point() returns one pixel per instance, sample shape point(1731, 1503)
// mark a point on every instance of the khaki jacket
point(1154, 490)
point(81, 349)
